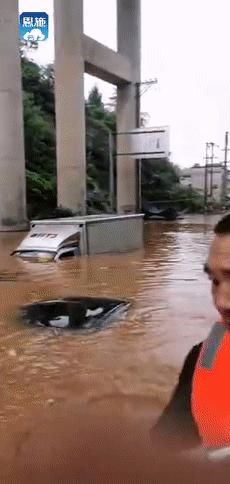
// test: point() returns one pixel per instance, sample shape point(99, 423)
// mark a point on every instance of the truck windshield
point(36, 256)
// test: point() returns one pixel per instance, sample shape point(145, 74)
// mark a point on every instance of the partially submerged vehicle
point(152, 212)
point(46, 244)
point(57, 239)
point(73, 312)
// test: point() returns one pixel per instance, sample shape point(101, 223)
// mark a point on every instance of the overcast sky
point(186, 46)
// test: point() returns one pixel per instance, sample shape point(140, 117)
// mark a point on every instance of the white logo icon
point(34, 35)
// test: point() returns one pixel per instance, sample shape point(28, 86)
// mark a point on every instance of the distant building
point(195, 178)
point(186, 177)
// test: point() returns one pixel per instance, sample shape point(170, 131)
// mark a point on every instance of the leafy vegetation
point(161, 185)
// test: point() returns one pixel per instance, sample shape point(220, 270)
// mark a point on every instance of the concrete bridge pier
point(70, 105)
point(129, 45)
point(12, 158)
point(76, 53)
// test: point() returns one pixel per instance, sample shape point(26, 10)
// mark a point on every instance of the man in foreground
point(199, 410)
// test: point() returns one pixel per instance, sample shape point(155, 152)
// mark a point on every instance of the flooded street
point(131, 366)
point(135, 361)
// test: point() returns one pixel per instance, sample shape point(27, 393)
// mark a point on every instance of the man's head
point(218, 267)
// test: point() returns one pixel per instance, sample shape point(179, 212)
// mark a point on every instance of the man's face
point(218, 269)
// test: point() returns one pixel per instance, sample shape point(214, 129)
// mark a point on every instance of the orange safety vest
point(211, 389)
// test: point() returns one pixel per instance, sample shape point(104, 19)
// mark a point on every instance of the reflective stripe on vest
point(212, 345)
point(211, 389)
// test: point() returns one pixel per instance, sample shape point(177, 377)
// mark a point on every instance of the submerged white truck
point(57, 239)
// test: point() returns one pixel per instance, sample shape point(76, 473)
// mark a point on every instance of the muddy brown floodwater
point(124, 373)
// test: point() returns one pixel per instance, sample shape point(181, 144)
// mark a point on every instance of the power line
point(147, 85)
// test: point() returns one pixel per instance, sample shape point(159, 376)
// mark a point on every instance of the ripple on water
point(137, 359)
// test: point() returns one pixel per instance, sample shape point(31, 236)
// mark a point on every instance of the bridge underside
point(75, 53)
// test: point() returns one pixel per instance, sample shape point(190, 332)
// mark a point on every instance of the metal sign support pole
point(111, 172)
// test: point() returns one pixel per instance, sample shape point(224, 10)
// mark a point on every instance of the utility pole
point(138, 161)
point(224, 188)
point(211, 170)
point(206, 178)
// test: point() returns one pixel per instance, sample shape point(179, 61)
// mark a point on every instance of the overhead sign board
point(145, 143)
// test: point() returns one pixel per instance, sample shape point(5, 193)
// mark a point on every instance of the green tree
point(99, 122)
point(161, 185)
point(40, 144)
point(158, 178)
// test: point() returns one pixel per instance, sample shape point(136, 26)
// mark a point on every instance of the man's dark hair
point(223, 226)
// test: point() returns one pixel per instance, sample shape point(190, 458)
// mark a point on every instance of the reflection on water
point(134, 362)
